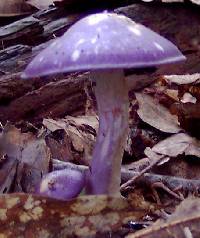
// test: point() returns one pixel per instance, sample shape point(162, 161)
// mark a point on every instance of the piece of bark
point(13, 59)
point(168, 21)
point(12, 87)
point(32, 104)
point(50, 24)
point(37, 28)
point(19, 31)
point(87, 216)
point(13, 51)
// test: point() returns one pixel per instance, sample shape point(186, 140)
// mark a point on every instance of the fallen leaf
point(154, 158)
point(26, 148)
point(183, 79)
point(27, 178)
point(84, 216)
point(187, 97)
point(80, 133)
point(188, 116)
point(172, 93)
point(8, 170)
point(178, 144)
point(156, 115)
point(184, 222)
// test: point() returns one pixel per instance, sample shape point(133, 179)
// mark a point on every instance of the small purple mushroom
point(105, 44)
point(62, 184)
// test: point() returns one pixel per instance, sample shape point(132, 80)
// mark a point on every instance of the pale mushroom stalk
point(112, 101)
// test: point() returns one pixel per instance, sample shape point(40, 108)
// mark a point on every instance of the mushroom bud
point(105, 44)
point(62, 184)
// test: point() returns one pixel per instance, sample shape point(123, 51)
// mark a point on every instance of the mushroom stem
point(112, 100)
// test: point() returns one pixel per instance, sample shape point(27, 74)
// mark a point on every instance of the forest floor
point(51, 121)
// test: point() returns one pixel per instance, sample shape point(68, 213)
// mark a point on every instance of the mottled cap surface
point(104, 41)
point(62, 184)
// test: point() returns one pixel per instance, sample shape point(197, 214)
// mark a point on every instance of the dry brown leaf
point(156, 115)
point(172, 93)
point(40, 4)
point(14, 8)
point(80, 132)
point(183, 79)
point(36, 216)
point(8, 170)
point(26, 148)
point(183, 223)
point(79, 121)
point(196, 2)
point(60, 147)
point(178, 144)
point(187, 97)
point(188, 116)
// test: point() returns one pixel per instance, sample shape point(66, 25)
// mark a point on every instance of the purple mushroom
point(105, 44)
point(62, 184)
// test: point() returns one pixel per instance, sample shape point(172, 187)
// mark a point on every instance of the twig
point(58, 165)
point(155, 158)
point(171, 182)
point(165, 188)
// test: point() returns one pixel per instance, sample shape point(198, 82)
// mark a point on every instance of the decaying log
point(54, 99)
point(170, 21)
point(174, 23)
point(29, 215)
point(37, 28)
point(14, 58)
point(12, 87)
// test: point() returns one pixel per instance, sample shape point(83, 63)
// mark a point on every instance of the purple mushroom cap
point(105, 44)
point(104, 41)
point(62, 184)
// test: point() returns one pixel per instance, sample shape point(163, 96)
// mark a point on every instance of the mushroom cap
point(104, 41)
point(62, 184)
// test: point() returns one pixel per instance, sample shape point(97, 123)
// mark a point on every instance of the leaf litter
point(164, 117)
point(29, 156)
